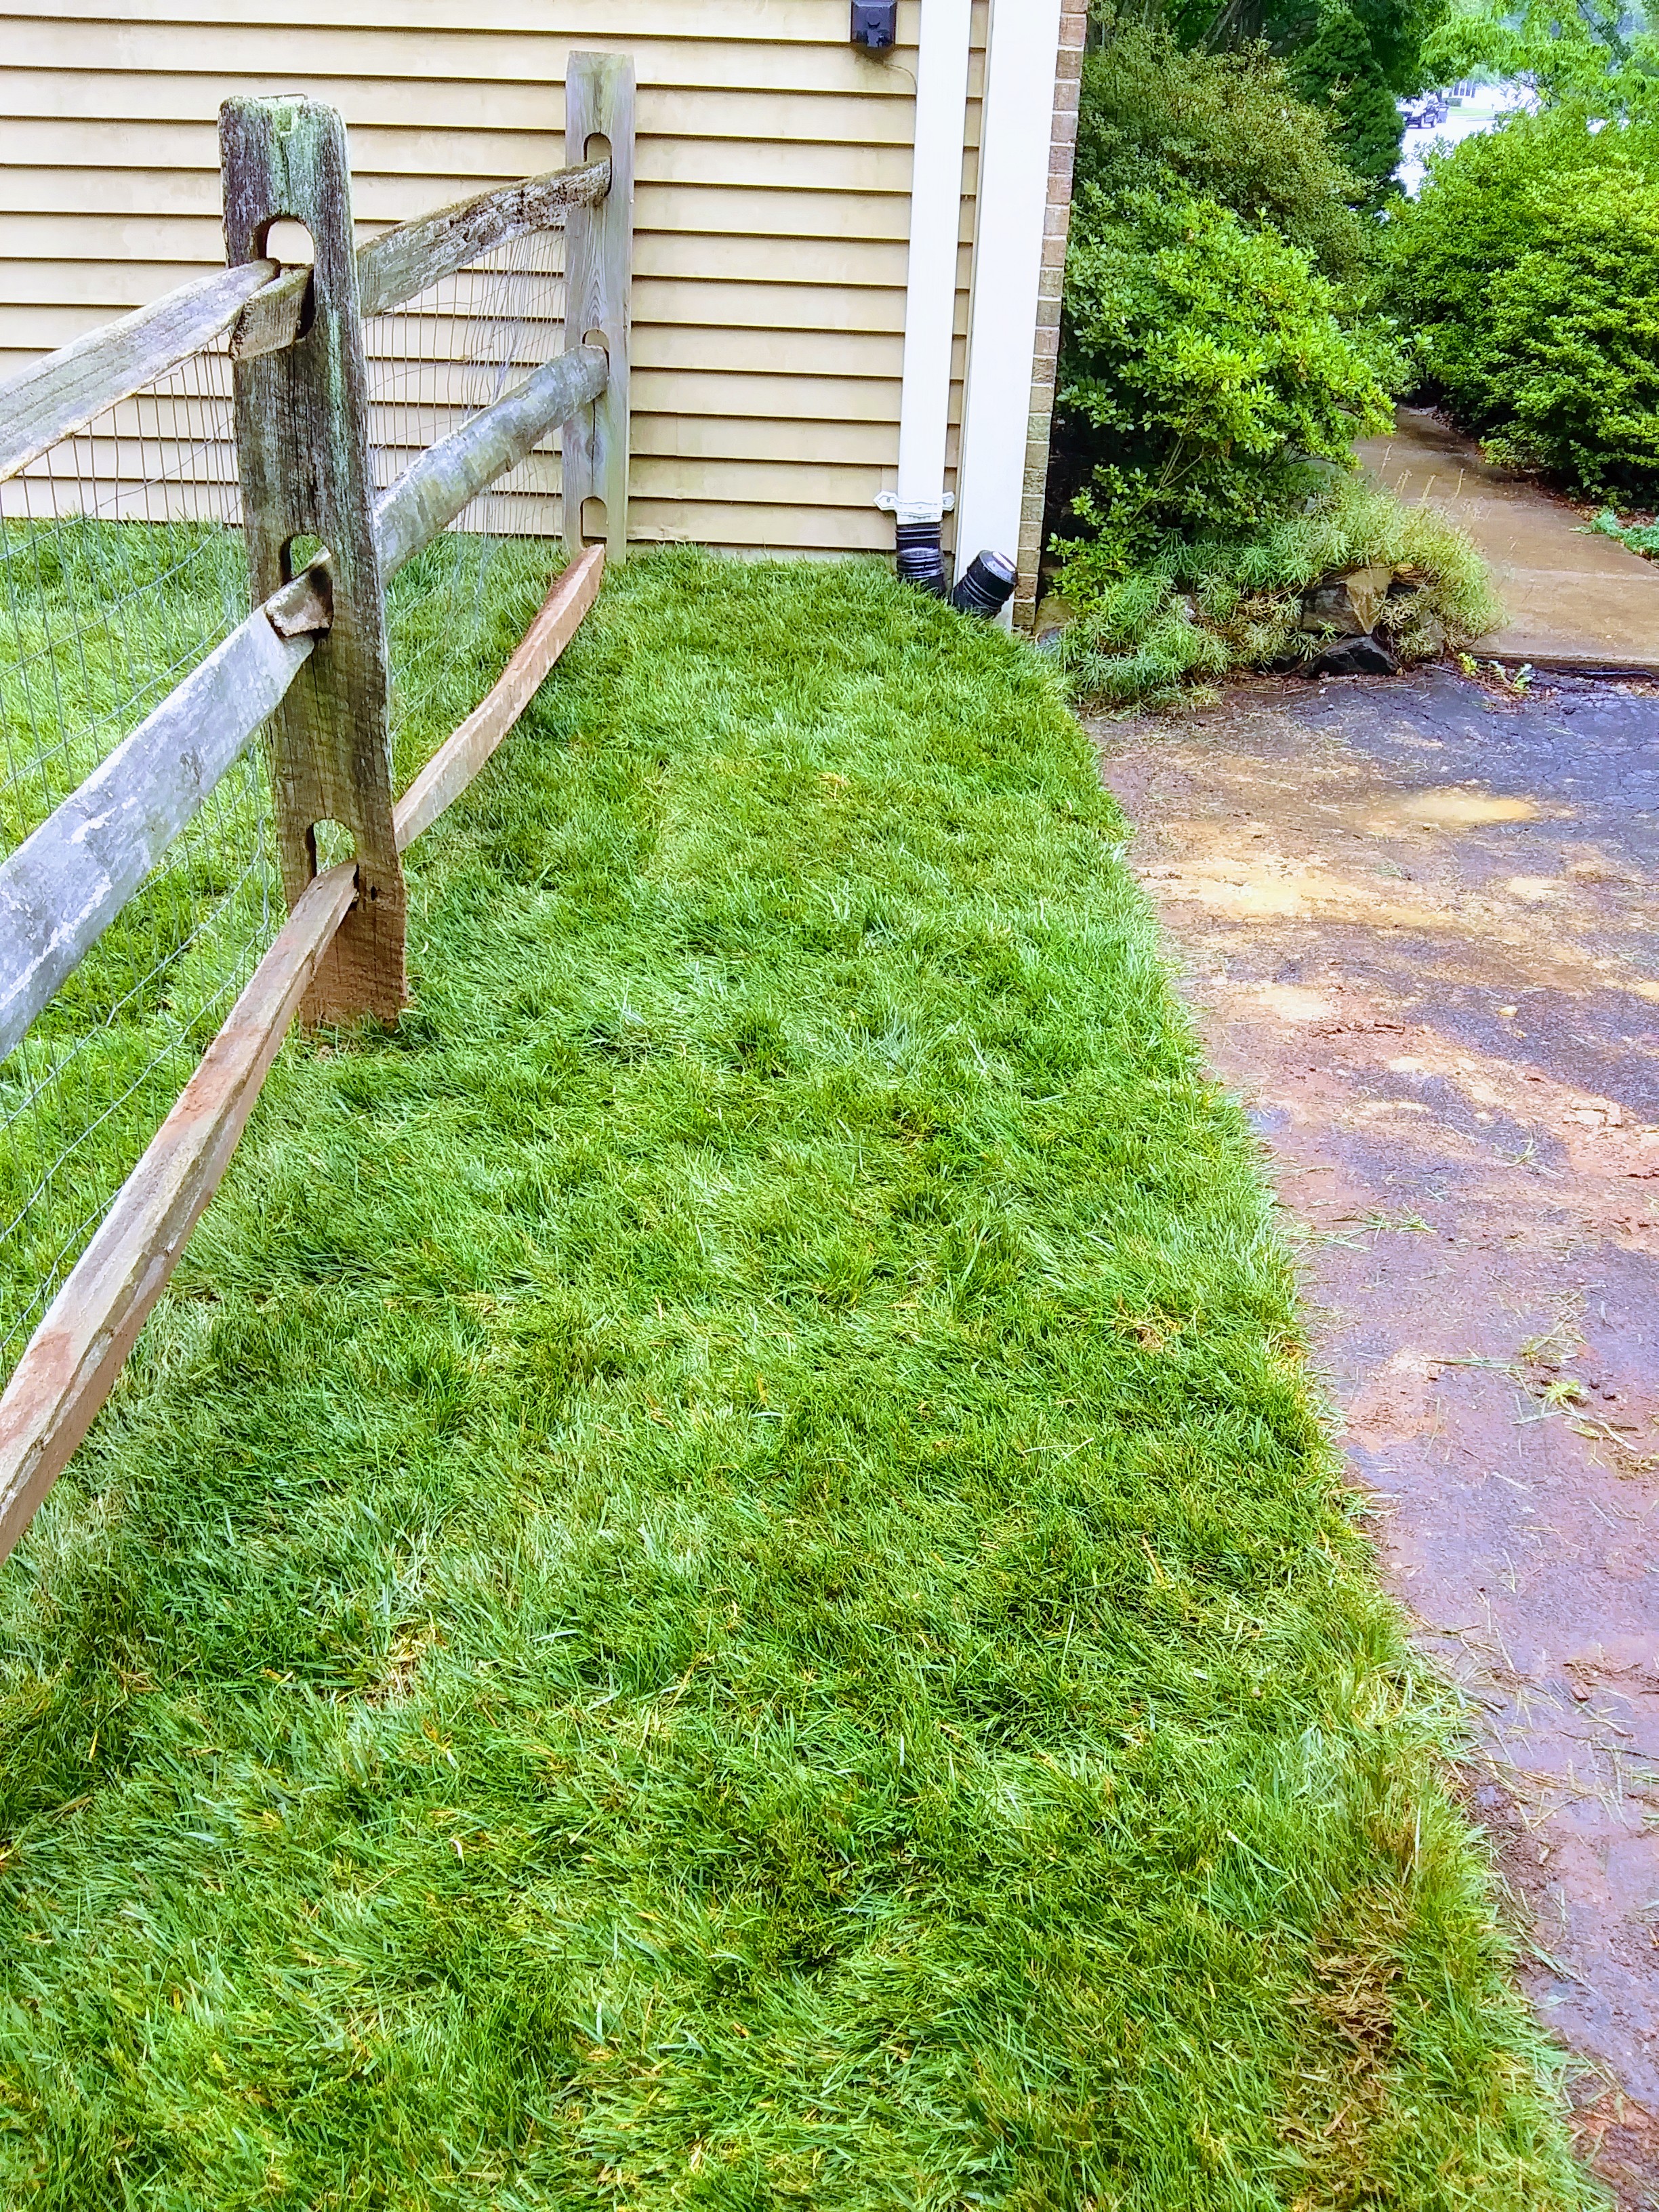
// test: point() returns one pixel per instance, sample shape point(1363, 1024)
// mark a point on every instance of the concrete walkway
point(1419, 936)
point(1574, 600)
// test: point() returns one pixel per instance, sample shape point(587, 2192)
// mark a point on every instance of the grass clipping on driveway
point(717, 1586)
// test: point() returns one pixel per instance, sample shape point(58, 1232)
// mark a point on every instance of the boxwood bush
point(1229, 127)
point(1214, 339)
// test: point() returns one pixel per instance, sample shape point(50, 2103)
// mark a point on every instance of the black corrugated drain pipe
point(920, 561)
point(986, 583)
point(986, 587)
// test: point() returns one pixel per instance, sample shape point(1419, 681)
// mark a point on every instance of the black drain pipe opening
point(920, 561)
point(987, 586)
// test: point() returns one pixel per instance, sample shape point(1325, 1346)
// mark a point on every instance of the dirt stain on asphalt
point(1419, 930)
point(1457, 810)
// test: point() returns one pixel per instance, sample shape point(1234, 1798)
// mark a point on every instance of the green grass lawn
point(98, 621)
point(718, 1585)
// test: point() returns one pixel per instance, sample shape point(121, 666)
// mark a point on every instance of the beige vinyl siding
point(771, 212)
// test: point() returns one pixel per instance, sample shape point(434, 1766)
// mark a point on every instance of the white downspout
point(930, 305)
point(1022, 55)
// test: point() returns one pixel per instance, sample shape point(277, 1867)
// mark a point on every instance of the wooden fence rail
point(401, 262)
point(432, 492)
point(72, 1361)
point(67, 882)
point(53, 397)
point(262, 305)
point(303, 467)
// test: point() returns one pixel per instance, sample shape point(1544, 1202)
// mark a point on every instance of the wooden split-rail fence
point(310, 663)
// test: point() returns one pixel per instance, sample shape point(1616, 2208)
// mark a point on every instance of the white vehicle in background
point(1445, 117)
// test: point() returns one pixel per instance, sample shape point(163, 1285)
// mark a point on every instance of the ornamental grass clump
point(1197, 608)
point(1640, 537)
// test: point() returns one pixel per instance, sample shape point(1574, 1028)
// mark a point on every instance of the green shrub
point(1220, 354)
point(1601, 54)
point(1395, 30)
point(1338, 70)
point(1210, 362)
point(1529, 272)
point(1143, 639)
point(1227, 127)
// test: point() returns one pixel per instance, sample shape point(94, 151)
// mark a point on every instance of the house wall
point(771, 217)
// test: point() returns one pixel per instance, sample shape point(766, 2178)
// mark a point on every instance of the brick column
point(1062, 153)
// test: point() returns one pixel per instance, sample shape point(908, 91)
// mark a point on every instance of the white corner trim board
point(1022, 56)
point(930, 305)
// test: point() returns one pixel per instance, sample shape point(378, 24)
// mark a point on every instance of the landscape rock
point(1423, 637)
point(1353, 656)
point(1348, 604)
point(1055, 616)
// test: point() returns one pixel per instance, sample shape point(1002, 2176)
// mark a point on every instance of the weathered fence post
point(598, 102)
point(303, 454)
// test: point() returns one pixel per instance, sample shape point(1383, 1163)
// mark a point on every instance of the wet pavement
point(1420, 929)
point(1575, 599)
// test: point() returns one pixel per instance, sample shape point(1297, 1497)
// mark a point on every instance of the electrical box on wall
point(875, 23)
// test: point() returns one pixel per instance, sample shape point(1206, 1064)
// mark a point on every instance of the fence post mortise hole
point(330, 842)
point(289, 242)
point(298, 554)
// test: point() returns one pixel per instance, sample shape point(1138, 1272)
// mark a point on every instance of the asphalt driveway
point(1420, 927)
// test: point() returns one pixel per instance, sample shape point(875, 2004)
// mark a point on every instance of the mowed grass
point(717, 1585)
point(98, 621)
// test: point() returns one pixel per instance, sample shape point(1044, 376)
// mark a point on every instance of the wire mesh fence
point(120, 568)
point(434, 362)
point(137, 844)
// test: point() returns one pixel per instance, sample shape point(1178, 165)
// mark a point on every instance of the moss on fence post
point(303, 455)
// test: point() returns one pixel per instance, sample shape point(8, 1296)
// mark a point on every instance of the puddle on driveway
point(1420, 932)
